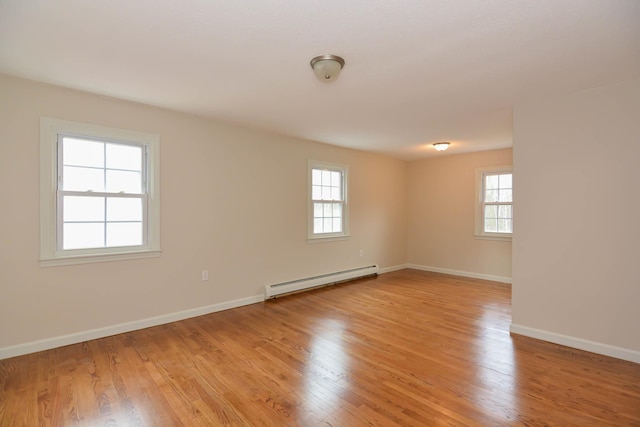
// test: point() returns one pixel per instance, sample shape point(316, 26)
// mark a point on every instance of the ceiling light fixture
point(441, 146)
point(327, 67)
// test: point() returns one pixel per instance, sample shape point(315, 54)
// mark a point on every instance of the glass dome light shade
point(327, 67)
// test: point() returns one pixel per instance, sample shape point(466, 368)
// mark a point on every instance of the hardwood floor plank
point(407, 348)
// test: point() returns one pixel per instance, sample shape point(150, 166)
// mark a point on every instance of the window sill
point(321, 239)
point(93, 258)
point(498, 238)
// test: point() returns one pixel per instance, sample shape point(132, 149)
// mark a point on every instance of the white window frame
point(51, 252)
point(323, 237)
point(479, 217)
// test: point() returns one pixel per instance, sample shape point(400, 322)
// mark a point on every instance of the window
point(494, 210)
point(327, 201)
point(99, 193)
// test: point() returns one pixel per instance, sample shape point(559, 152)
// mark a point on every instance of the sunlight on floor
point(496, 366)
point(327, 365)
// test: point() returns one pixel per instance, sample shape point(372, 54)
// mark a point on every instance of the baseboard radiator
point(272, 291)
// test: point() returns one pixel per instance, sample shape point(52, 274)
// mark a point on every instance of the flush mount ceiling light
point(327, 67)
point(441, 146)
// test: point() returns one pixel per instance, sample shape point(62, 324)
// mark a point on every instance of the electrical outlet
point(205, 275)
point(361, 252)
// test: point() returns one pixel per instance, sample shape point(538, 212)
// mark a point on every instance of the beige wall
point(576, 247)
point(441, 208)
point(575, 167)
point(233, 202)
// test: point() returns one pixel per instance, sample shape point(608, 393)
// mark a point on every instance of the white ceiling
point(417, 71)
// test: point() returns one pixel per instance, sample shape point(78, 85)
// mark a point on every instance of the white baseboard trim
point(460, 273)
point(579, 343)
point(49, 343)
point(392, 268)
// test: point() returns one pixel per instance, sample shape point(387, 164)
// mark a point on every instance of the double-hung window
point(494, 209)
point(99, 193)
point(327, 201)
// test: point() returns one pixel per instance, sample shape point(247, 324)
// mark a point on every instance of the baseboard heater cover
point(272, 291)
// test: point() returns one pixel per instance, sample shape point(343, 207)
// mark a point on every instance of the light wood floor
point(407, 348)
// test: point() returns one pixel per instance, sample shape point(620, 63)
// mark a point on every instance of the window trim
point(479, 232)
point(50, 254)
point(325, 237)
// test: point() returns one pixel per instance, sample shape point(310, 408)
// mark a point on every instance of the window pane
point(327, 210)
point(504, 226)
point(326, 193)
point(504, 211)
point(491, 196)
point(79, 208)
point(335, 179)
point(326, 178)
point(128, 182)
point(337, 225)
point(82, 179)
point(83, 236)
point(505, 196)
point(124, 234)
point(327, 225)
point(124, 209)
point(505, 181)
point(124, 157)
point(317, 225)
point(316, 177)
point(491, 182)
point(491, 225)
point(335, 193)
point(490, 211)
point(82, 152)
point(337, 210)
point(317, 210)
point(316, 192)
